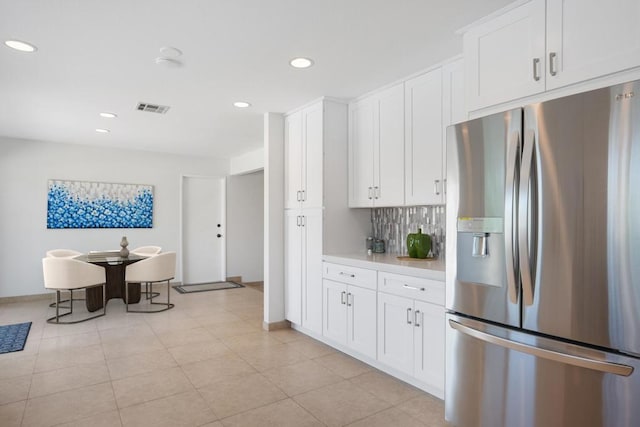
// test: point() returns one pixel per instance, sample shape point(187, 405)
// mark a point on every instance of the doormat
point(13, 337)
point(204, 287)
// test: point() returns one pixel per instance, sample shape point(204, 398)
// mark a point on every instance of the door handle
point(536, 66)
point(416, 315)
point(342, 295)
point(409, 316)
point(510, 219)
point(556, 356)
point(552, 63)
point(526, 216)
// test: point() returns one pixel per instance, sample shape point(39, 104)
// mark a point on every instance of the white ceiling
point(96, 55)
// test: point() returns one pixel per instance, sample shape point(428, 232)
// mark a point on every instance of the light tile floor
point(207, 362)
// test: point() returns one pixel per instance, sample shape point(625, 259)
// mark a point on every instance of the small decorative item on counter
point(418, 244)
point(369, 243)
point(124, 252)
point(378, 246)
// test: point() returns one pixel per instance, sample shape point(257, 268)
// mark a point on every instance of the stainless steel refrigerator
point(543, 264)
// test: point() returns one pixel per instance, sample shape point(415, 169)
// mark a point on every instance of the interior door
point(203, 231)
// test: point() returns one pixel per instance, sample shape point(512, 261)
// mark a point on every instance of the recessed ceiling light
point(301, 62)
point(99, 130)
point(108, 115)
point(171, 52)
point(241, 104)
point(20, 45)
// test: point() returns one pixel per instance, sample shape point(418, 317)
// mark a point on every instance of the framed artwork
point(82, 204)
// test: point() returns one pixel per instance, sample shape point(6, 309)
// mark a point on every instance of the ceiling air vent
point(152, 108)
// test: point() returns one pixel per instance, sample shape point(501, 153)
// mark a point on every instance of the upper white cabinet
point(303, 158)
point(423, 139)
point(591, 38)
point(376, 149)
point(543, 45)
point(505, 57)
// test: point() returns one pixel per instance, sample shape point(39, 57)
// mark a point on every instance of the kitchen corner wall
point(394, 224)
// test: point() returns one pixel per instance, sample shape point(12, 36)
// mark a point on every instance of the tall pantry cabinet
point(316, 215)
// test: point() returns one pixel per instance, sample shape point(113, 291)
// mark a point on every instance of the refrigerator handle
point(526, 217)
point(556, 356)
point(510, 209)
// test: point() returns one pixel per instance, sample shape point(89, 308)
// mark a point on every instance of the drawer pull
point(342, 295)
point(409, 316)
point(342, 273)
point(414, 288)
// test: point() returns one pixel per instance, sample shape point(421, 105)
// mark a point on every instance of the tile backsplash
point(394, 224)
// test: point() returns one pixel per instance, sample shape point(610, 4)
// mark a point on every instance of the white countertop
point(428, 269)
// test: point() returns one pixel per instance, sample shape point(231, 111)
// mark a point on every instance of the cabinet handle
point(409, 316)
point(536, 74)
point(349, 297)
point(444, 186)
point(369, 193)
point(298, 220)
point(376, 192)
point(552, 63)
point(416, 315)
point(342, 294)
point(413, 288)
point(303, 220)
point(298, 195)
point(303, 197)
point(436, 187)
point(342, 273)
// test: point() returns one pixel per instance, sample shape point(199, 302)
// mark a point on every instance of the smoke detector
point(152, 108)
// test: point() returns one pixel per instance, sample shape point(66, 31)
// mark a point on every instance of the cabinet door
point(361, 143)
point(292, 160)
point(423, 139)
point(395, 332)
point(361, 320)
point(312, 269)
point(293, 267)
point(388, 154)
point(453, 102)
point(334, 302)
point(429, 344)
point(312, 119)
point(591, 38)
point(505, 57)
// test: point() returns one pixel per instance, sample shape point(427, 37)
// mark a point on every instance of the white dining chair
point(146, 250)
point(62, 253)
point(67, 274)
point(155, 269)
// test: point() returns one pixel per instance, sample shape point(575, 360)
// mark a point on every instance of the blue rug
point(13, 337)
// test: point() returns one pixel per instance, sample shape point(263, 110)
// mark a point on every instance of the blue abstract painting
point(82, 204)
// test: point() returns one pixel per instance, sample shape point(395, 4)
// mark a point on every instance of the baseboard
point(237, 279)
point(274, 326)
point(26, 298)
point(258, 283)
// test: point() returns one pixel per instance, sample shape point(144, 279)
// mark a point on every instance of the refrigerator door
point(579, 204)
point(500, 377)
point(481, 250)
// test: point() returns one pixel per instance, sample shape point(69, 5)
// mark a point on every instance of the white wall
point(25, 167)
point(273, 218)
point(245, 226)
point(247, 162)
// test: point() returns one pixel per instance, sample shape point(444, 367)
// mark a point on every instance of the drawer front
point(412, 287)
point(351, 275)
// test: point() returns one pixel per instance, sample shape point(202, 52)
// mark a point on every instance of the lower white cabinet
point(350, 316)
point(410, 331)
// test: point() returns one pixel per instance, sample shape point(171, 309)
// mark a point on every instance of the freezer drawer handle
point(569, 359)
point(414, 288)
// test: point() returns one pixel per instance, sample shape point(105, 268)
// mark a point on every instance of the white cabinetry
point(303, 158)
point(411, 327)
point(505, 57)
point(376, 153)
point(350, 310)
point(543, 45)
point(423, 139)
point(303, 273)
